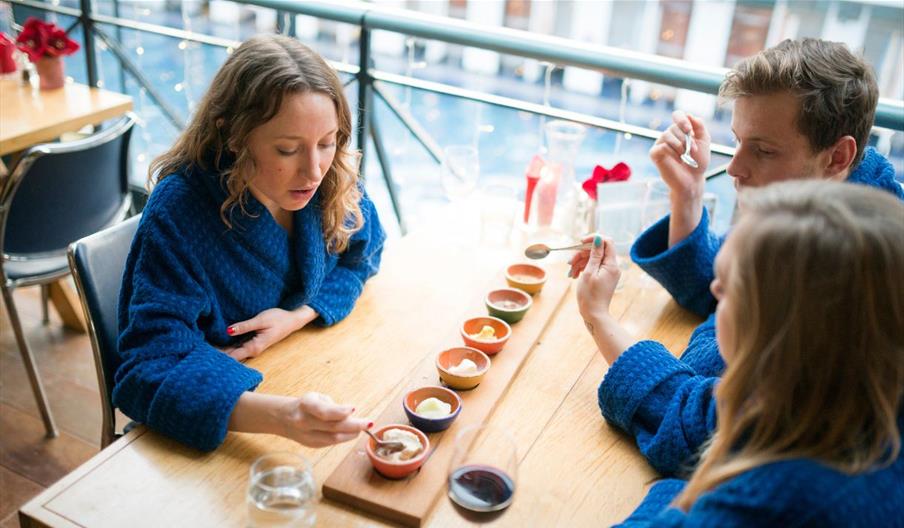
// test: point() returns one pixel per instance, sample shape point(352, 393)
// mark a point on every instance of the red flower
point(41, 39)
point(58, 43)
point(620, 172)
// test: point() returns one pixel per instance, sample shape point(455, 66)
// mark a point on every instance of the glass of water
point(498, 208)
point(461, 168)
point(281, 492)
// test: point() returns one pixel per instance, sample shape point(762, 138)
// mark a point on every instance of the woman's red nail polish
point(230, 330)
point(370, 424)
point(353, 409)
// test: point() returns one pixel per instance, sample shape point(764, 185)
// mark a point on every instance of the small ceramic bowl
point(508, 304)
point(528, 278)
point(490, 346)
point(454, 356)
point(425, 423)
point(396, 470)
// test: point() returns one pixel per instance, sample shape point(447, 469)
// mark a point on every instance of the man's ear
point(840, 158)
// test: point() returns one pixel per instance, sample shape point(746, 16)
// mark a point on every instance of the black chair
point(57, 193)
point(97, 264)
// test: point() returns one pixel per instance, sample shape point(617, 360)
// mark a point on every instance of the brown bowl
point(489, 346)
point(454, 356)
point(529, 278)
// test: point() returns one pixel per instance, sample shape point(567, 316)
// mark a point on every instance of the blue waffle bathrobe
point(671, 412)
point(188, 277)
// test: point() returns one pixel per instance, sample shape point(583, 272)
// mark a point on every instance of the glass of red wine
point(483, 470)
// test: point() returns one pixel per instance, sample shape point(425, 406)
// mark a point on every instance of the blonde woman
point(806, 422)
point(257, 226)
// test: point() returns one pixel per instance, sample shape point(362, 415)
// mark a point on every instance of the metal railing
point(368, 18)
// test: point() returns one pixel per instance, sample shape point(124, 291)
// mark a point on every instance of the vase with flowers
point(45, 44)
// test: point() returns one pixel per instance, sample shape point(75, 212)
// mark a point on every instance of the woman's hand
point(596, 284)
point(579, 260)
point(313, 419)
point(270, 327)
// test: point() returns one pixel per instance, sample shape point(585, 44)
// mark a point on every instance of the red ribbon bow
point(620, 172)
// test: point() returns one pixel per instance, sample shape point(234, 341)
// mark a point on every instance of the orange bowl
point(491, 346)
point(401, 469)
point(528, 278)
point(454, 356)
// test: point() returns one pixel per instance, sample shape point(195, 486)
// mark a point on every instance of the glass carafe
point(557, 189)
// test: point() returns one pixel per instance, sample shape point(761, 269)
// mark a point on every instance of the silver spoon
point(686, 157)
point(538, 251)
point(386, 444)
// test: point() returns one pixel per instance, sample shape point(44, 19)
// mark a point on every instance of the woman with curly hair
point(257, 226)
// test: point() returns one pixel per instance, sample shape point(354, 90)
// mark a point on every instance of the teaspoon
point(686, 157)
point(538, 251)
point(386, 444)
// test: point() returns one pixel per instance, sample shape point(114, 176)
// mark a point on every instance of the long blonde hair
point(816, 366)
point(248, 91)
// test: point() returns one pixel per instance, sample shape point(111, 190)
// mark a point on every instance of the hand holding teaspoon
point(538, 251)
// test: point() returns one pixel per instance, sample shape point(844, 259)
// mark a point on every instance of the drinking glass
point(657, 203)
point(281, 492)
point(498, 207)
point(460, 170)
point(483, 470)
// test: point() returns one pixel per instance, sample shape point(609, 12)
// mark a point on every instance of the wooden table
point(574, 469)
point(29, 117)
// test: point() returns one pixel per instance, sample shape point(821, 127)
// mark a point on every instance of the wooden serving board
point(409, 501)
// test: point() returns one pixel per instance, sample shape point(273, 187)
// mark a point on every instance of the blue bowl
point(431, 425)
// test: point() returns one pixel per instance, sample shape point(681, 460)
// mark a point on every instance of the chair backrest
point(97, 263)
point(60, 192)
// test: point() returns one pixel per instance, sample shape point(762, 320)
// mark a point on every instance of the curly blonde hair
point(248, 91)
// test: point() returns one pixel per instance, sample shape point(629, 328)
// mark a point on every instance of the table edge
point(35, 512)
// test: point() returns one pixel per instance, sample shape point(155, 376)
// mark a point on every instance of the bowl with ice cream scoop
point(487, 334)
point(432, 409)
point(462, 368)
point(398, 463)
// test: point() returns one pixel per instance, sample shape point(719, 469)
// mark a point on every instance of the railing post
point(122, 71)
point(88, 29)
point(365, 94)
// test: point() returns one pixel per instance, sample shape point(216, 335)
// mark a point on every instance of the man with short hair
point(803, 109)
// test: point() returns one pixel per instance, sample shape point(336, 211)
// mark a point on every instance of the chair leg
point(29, 361)
point(45, 299)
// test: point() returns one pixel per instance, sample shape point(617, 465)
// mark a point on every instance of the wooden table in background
point(574, 470)
point(29, 117)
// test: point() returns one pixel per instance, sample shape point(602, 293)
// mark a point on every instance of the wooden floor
point(29, 462)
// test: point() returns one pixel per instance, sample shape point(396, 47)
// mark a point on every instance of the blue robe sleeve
point(170, 378)
point(685, 269)
point(360, 261)
point(702, 353)
point(756, 498)
point(659, 400)
point(655, 503)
